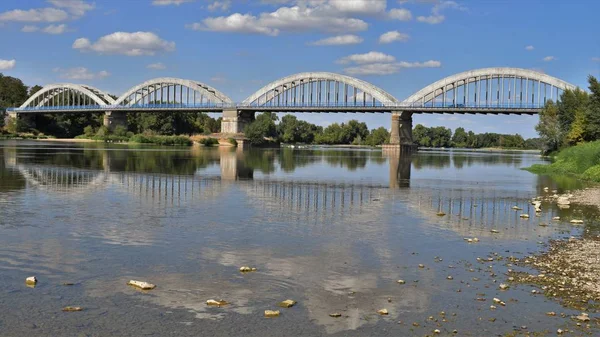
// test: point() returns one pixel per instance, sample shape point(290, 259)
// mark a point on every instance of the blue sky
point(240, 45)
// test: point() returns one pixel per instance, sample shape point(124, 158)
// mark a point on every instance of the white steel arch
point(143, 90)
point(486, 74)
point(50, 91)
point(292, 81)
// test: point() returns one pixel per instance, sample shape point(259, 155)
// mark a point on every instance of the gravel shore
point(589, 196)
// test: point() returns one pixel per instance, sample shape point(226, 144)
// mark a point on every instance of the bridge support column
point(235, 121)
point(112, 119)
point(401, 133)
point(9, 116)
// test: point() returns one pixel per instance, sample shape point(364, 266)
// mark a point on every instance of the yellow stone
point(287, 303)
point(217, 303)
point(271, 313)
point(71, 309)
point(382, 311)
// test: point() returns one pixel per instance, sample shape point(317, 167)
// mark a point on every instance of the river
point(331, 229)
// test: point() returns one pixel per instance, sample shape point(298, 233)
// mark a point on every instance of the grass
point(209, 141)
point(142, 139)
point(581, 161)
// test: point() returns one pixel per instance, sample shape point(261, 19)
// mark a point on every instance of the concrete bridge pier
point(401, 133)
point(235, 121)
point(112, 119)
point(9, 116)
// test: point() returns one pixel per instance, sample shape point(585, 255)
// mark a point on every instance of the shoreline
point(589, 196)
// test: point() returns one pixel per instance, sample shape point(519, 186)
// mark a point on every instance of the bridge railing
point(391, 105)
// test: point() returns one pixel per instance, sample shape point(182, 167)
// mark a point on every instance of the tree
point(421, 135)
point(549, 127)
point(576, 132)
point(263, 126)
point(460, 138)
point(570, 102)
point(592, 116)
point(378, 136)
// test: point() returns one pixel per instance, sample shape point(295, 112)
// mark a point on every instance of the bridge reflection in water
point(209, 176)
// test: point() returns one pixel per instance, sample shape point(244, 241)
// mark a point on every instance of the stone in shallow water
point(516, 208)
point(287, 303)
point(576, 221)
point(495, 231)
point(335, 314)
point(246, 269)
point(32, 280)
point(141, 284)
point(563, 201)
point(441, 213)
point(524, 216)
point(503, 286)
point(271, 313)
point(556, 218)
point(382, 311)
point(401, 282)
point(217, 303)
point(72, 309)
point(583, 317)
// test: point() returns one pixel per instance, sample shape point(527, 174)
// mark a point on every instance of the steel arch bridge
point(481, 91)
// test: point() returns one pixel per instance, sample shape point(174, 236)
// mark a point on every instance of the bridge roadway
point(482, 91)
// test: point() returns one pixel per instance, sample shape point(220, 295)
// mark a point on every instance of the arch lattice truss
point(490, 86)
point(168, 90)
point(68, 94)
point(319, 89)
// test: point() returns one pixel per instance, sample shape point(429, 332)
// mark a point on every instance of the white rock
point(524, 216)
point(576, 221)
point(563, 200)
point(556, 218)
point(31, 280)
point(141, 284)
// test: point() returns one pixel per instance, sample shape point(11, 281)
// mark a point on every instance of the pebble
point(494, 231)
point(401, 282)
point(576, 221)
point(436, 331)
point(287, 303)
point(382, 311)
point(32, 280)
point(503, 286)
point(583, 317)
point(441, 214)
point(556, 218)
point(560, 331)
point(421, 266)
point(524, 216)
point(72, 309)
point(142, 285)
point(271, 313)
point(450, 277)
point(246, 269)
point(335, 314)
point(217, 303)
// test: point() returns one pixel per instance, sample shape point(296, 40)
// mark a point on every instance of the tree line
point(440, 136)
point(574, 119)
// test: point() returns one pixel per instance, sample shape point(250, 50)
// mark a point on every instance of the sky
point(238, 46)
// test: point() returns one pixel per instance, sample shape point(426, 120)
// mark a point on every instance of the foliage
point(263, 126)
point(161, 140)
point(232, 141)
point(353, 132)
point(208, 141)
point(378, 136)
point(432, 137)
point(581, 160)
point(120, 131)
point(592, 116)
point(291, 130)
point(549, 128)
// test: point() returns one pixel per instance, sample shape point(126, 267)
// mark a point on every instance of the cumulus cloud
point(156, 66)
point(359, 6)
point(549, 58)
point(338, 40)
point(30, 29)
point(389, 68)
point(169, 2)
point(80, 73)
point(370, 57)
point(393, 36)
point(123, 43)
point(529, 48)
point(436, 12)
point(75, 7)
point(35, 15)
point(400, 14)
point(219, 5)
point(322, 17)
point(7, 64)
point(55, 29)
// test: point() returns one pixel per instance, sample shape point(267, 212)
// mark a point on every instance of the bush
point(102, 131)
point(161, 140)
point(233, 142)
point(208, 141)
point(88, 131)
point(120, 130)
point(582, 161)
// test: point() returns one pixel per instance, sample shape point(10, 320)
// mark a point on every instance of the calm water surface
point(331, 229)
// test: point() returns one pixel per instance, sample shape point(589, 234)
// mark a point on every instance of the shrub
point(120, 130)
point(102, 131)
point(232, 141)
point(88, 131)
point(208, 141)
point(161, 140)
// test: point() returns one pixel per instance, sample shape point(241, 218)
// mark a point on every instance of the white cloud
point(220, 5)
point(218, 79)
point(7, 64)
point(549, 58)
point(55, 29)
point(338, 40)
point(436, 12)
point(359, 7)
point(169, 2)
point(529, 48)
point(370, 57)
point(389, 68)
point(80, 73)
point(596, 59)
point(393, 36)
point(156, 66)
point(35, 15)
point(316, 16)
point(75, 7)
point(431, 19)
point(130, 44)
point(400, 14)
point(30, 29)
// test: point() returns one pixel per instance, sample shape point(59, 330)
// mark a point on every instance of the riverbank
point(589, 196)
point(580, 161)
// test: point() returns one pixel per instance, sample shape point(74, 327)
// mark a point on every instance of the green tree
point(378, 136)
point(263, 126)
point(421, 136)
point(459, 139)
point(577, 130)
point(549, 127)
point(592, 116)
